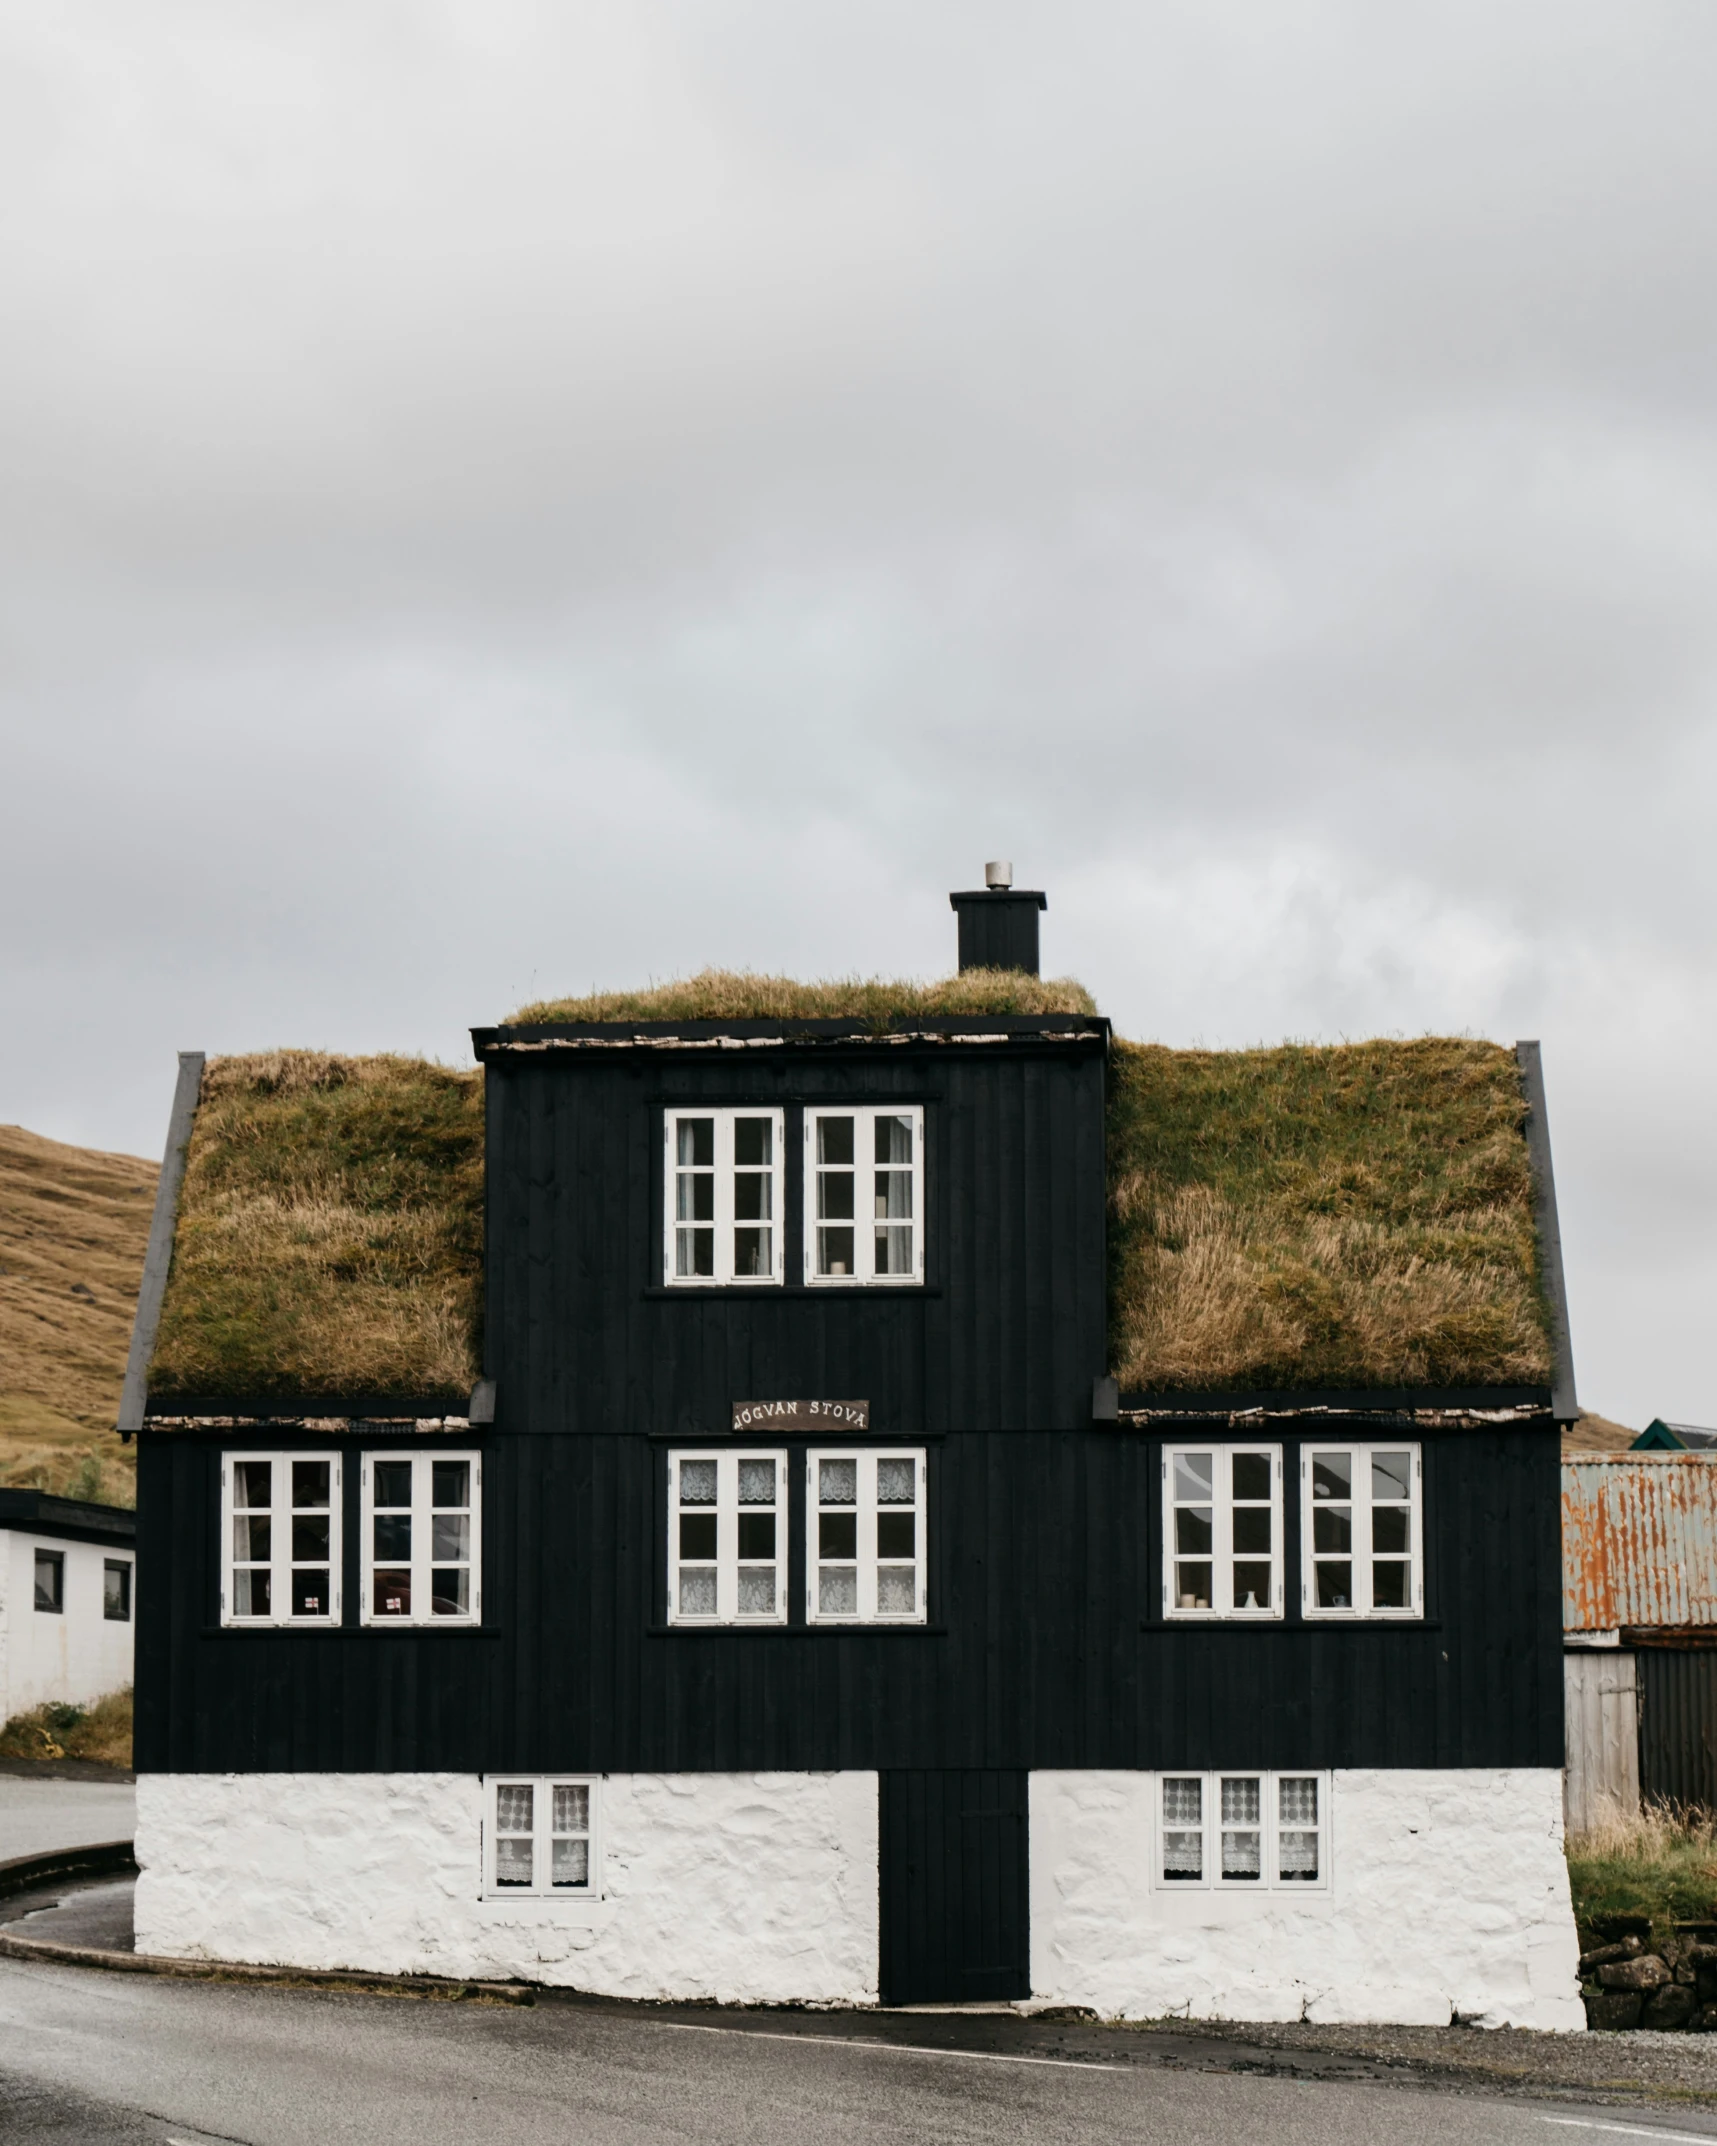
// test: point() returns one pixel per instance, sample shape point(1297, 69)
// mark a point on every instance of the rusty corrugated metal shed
point(1639, 1541)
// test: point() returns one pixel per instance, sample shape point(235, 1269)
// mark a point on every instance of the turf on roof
point(730, 995)
point(330, 1231)
point(1340, 1217)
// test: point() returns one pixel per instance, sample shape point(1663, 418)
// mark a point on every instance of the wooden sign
point(801, 1415)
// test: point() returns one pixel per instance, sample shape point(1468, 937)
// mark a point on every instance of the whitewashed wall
point(735, 1887)
point(75, 1656)
point(1449, 1893)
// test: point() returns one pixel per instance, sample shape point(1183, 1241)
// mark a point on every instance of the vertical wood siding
point(1678, 1724)
point(1603, 1780)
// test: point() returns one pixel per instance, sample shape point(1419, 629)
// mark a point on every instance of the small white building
point(67, 1599)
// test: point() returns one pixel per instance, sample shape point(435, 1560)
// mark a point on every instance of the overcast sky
point(497, 498)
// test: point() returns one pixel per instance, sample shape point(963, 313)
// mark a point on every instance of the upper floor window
point(1360, 1509)
point(864, 1195)
point(280, 1520)
point(722, 1185)
point(1245, 1832)
point(1222, 1522)
point(865, 1514)
point(726, 1545)
point(51, 1581)
point(422, 1534)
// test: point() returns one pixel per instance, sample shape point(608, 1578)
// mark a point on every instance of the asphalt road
point(114, 2060)
point(40, 1814)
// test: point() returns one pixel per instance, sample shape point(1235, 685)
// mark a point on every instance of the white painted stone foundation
point(737, 1887)
point(1448, 1893)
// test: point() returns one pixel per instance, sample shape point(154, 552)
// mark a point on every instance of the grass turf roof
point(737, 995)
point(330, 1231)
point(1350, 1216)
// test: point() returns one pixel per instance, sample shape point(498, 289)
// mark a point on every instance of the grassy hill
point(73, 1225)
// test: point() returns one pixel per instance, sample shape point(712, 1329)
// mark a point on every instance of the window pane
point(1335, 1585)
point(251, 1593)
point(390, 1482)
point(450, 1538)
point(757, 1482)
point(571, 1807)
point(694, 1198)
point(896, 1482)
point(835, 1195)
point(834, 1251)
point(1389, 1528)
point(252, 1534)
point(450, 1591)
point(837, 1592)
point(753, 1141)
point(1252, 1531)
point(1389, 1585)
point(1332, 1475)
point(1332, 1527)
point(835, 1140)
point(837, 1534)
point(310, 1595)
point(1243, 1855)
point(897, 1534)
point(757, 1591)
point(896, 1590)
point(1242, 1803)
point(310, 1537)
point(753, 1199)
point(1251, 1475)
point(1183, 1855)
point(1251, 1587)
point(393, 1594)
point(311, 1480)
point(1192, 1586)
point(694, 1251)
point(1192, 1529)
point(753, 1251)
point(1183, 1803)
point(894, 1250)
point(893, 1195)
point(571, 1862)
point(756, 1535)
point(894, 1140)
point(697, 1594)
point(450, 1483)
point(837, 1482)
point(1193, 1475)
point(1297, 1856)
point(512, 1862)
point(392, 1534)
point(251, 1484)
point(697, 1482)
point(697, 1535)
point(697, 1143)
point(1297, 1803)
point(1392, 1475)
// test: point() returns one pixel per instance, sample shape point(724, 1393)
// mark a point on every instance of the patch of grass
point(737, 995)
point(100, 1731)
point(40, 1450)
point(330, 1231)
point(1661, 1862)
point(1348, 1215)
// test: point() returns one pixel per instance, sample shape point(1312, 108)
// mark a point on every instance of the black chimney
point(998, 927)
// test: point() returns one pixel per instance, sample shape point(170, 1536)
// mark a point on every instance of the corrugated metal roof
point(1639, 1541)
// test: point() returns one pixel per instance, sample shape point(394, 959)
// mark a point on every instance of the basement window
point(422, 1527)
point(864, 1518)
point(280, 1521)
point(722, 1184)
point(1241, 1832)
point(542, 1837)
point(864, 1196)
point(1222, 1531)
point(51, 1581)
point(116, 1590)
point(727, 1545)
point(1360, 1515)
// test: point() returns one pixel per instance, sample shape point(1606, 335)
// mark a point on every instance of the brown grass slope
point(330, 1231)
point(1353, 1215)
point(737, 995)
point(73, 1226)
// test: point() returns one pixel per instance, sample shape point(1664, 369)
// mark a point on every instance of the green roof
point(737, 995)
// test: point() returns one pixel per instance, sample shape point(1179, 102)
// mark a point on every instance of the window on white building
point(422, 1531)
point(864, 1195)
point(1222, 1531)
point(51, 1581)
point(1242, 1832)
point(1360, 1516)
point(116, 1589)
point(280, 1519)
point(865, 1550)
point(542, 1836)
point(722, 1184)
point(727, 1546)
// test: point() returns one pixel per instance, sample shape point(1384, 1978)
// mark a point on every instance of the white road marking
point(1633, 2131)
point(892, 2049)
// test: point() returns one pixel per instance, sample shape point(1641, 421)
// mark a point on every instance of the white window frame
point(1223, 1554)
point(1361, 1607)
point(727, 1561)
point(867, 1563)
point(864, 1275)
point(725, 1174)
point(543, 1836)
point(422, 1560)
point(1211, 1828)
point(281, 1563)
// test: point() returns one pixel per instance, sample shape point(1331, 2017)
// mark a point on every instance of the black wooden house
point(862, 1495)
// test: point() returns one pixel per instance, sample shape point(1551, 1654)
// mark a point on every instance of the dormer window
point(722, 1179)
point(864, 1195)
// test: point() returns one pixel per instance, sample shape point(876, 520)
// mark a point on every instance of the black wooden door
point(956, 1921)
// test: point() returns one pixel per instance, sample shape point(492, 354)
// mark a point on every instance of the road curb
point(48, 1953)
point(96, 1859)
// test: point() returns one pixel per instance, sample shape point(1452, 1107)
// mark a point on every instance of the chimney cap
point(999, 875)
